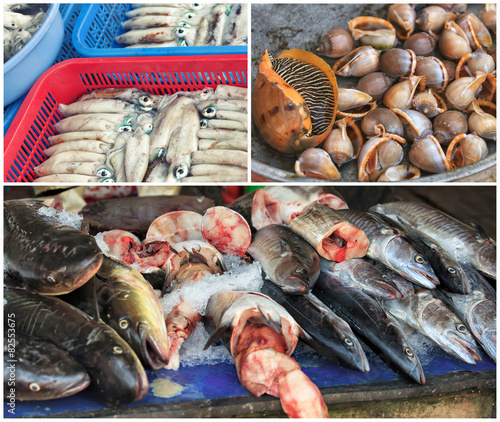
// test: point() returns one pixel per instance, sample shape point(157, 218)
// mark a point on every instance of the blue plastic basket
point(99, 24)
point(69, 13)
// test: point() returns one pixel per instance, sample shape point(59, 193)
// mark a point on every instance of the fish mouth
point(155, 356)
point(296, 286)
point(462, 349)
point(421, 277)
point(88, 270)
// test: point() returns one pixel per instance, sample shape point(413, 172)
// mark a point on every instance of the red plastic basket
point(68, 80)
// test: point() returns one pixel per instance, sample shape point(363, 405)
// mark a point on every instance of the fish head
point(72, 263)
point(295, 275)
point(483, 325)
point(446, 329)
point(404, 353)
point(118, 369)
point(139, 321)
point(407, 261)
point(487, 258)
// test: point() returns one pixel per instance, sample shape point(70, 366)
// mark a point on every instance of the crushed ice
point(63, 218)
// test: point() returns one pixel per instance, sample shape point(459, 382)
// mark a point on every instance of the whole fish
point(132, 309)
point(391, 247)
point(263, 335)
point(450, 272)
point(116, 374)
point(329, 334)
point(432, 318)
point(135, 213)
point(467, 243)
point(287, 259)
point(47, 257)
point(364, 314)
point(38, 370)
point(478, 312)
point(361, 274)
point(331, 234)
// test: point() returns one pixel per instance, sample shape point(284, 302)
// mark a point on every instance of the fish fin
point(481, 235)
point(215, 335)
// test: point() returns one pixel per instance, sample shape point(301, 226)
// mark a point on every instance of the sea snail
point(294, 100)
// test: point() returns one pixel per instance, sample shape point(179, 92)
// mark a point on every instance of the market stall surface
point(214, 390)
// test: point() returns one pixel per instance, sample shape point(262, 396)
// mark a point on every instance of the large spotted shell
point(294, 100)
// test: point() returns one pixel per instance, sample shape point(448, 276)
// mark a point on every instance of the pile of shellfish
point(407, 95)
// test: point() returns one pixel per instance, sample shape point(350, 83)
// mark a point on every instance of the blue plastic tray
point(99, 24)
point(69, 13)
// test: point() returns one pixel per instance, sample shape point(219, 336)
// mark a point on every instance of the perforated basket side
point(68, 80)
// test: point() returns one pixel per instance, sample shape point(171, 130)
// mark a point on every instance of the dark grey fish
point(46, 257)
point(38, 370)
point(115, 371)
point(392, 247)
point(364, 314)
point(361, 274)
point(286, 258)
point(478, 312)
point(468, 244)
point(432, 318)
point(329, 334)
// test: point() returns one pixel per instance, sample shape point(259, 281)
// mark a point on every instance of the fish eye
point(299, 270)
point(51, 279)
point(118, 350)
point(123, 323)
point(104, 172)
point(209, 111)
point(419, 259)
point(34, 387)
point(145, 100)
point(203, 123)
point(385, 277)
point(348, 342)
point(124, 128)
point(408, 352)
point(452, 270)
point(462, 328)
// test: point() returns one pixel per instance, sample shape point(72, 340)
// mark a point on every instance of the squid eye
point(34, 387)
point(209, 111)
point(117, 350)
point(348, 342)
point(184, 24)
point(408, 352)
point(203, 123)
point(452, 270)
point(180, 32)
point(106, 180)
point(181, 172)
point(124, 128)
point(189, 15)
point(148, 128)
point(183, 43)
point(462, 328)
point(162, 152)
point(128, 121)
point(123, 323)
point(196, 5)
point(419, 259)
point(104, 172)
point(145, 100)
